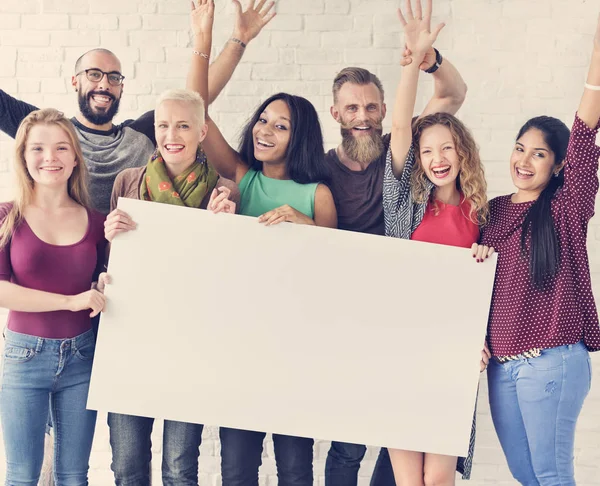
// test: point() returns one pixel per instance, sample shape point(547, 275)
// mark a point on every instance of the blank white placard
point(292, 329)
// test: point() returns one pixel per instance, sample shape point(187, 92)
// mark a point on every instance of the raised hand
point(220, 202)
point(202, 16)
point(417, 29)
point(427, 61)
point(282, 214)
point(249, 22)
point(597, 36)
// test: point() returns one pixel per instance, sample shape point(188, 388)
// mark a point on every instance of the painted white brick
point(294, 39)
point(75, 38)
point(24, 38)
point(19, 6)
point(28, 86)
point(38, 69)
point(303, 7)
point(113, 6)
point(275, 72)
point(286, 23)
point(166, 22)
point(337, 6)
point(333, 40)
point(45, 22)
point(65, 6)
point(174, 7)
point(160, 38)
point(379, 56)
point(95, 22)
point(327, 23)
point(11, 21)
point(319, 56)
point(130, 22)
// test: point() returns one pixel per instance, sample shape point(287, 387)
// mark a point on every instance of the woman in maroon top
point(51, 249)
point(543, 320)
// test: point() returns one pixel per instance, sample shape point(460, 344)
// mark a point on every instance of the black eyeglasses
point(96, 75)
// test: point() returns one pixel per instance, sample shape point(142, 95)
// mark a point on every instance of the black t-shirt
point(358, 195)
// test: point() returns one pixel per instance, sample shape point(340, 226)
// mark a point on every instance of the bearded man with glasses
point(99, 83)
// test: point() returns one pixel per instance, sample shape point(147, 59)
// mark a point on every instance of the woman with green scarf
point(177, 173)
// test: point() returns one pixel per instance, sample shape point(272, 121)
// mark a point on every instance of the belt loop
point(39, 344)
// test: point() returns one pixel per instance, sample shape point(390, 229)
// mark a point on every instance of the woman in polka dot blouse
point(543, 319)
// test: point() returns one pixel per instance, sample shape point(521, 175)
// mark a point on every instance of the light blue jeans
point(41, 375)
point(535, 403)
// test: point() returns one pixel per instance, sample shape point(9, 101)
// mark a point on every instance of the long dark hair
point(304, 157)
point(544, 252)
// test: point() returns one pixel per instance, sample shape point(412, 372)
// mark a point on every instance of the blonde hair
point(187, 96)
point(355, 75)
point(471, 179)
point(76, 186)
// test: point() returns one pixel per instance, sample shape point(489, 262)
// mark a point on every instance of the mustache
point(378, 125)
point(101, 93)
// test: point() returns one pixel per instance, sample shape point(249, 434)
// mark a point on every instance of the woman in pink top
point(543, 319)
point(51, 250)
point(434, 191)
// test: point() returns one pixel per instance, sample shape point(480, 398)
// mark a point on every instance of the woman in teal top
point(280, 165)
point(281, 172)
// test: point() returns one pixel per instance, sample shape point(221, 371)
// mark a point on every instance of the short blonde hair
point(193, 99)
point(78, 182)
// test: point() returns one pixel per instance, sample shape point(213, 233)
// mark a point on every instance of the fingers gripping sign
point(220, 202)
point(117, 222)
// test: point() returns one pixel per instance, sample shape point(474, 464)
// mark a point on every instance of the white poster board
point(292, 329)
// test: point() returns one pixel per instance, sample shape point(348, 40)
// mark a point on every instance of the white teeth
point(104, 99)
point(361, 128)
point(263, 143)
point(51, 169)
point(440, 170)
point(524, 172)
point(174, 147)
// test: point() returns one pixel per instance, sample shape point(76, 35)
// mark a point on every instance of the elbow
point(461, 95)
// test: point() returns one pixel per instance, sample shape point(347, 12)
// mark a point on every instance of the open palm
point(202, 16)
point(417, 28)
point(249, 22)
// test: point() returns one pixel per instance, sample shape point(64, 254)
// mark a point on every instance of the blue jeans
point(40, 376)
point(343, 463)
point(130, 440)
point(241, 456)
point(535, 403)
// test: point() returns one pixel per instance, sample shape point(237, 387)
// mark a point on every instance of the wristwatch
point(436, 64)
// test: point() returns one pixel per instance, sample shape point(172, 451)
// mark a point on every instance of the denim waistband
point(38, 343)
point(578, 346)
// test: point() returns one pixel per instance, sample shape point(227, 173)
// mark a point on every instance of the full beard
point(97, 118)
point(363, 149)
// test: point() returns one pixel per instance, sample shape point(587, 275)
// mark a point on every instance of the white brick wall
point(520, 58)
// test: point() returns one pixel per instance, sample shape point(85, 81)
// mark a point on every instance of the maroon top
point(68, 270)
point(522, 317)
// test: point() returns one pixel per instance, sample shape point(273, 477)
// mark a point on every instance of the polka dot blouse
point(521, 316)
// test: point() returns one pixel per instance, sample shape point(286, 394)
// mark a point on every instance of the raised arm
point(589, 107)
point(419, 40)
point(12, 112)
point(449, 92)
point(219, 153)
point(248, 24)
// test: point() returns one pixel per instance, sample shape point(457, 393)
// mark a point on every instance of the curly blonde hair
point(471, 179)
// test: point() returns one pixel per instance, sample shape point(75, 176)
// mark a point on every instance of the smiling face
point(178, 134)
point(532, 164)
point(439, 156)
point(360, 110)
point(271, 133)
point(98, 101)
point(49, 155)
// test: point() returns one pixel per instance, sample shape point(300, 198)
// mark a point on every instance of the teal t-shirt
point(259, 194)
